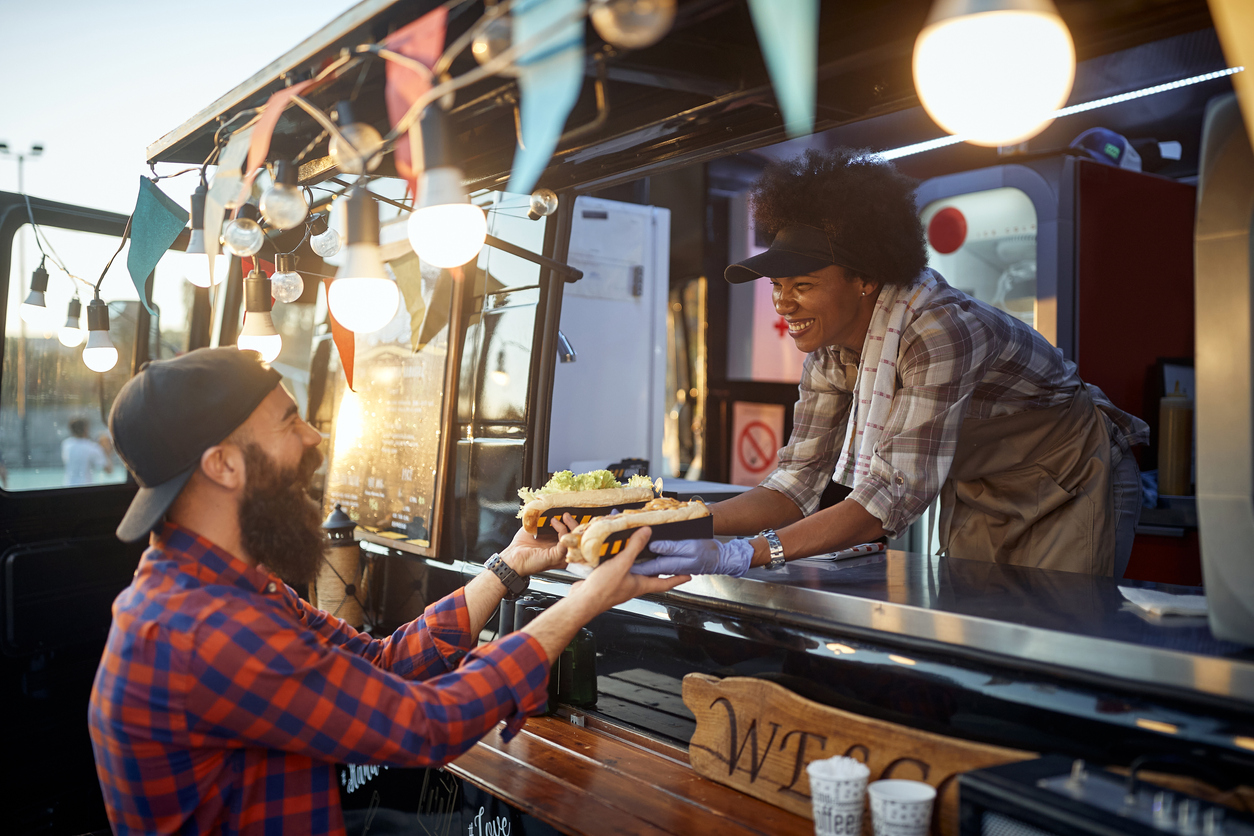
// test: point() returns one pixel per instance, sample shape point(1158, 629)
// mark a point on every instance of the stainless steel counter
point(1055, 620)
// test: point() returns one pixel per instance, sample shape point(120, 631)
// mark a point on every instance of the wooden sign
point(757, 737)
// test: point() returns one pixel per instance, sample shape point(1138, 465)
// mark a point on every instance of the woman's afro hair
point(862, 202)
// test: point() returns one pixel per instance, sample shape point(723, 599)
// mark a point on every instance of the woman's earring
point(864, 293)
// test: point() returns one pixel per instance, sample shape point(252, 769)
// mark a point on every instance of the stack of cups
point(838, 793)
point(901, 808)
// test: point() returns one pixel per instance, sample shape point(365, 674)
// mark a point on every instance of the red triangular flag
point(422, 40)
point(259, 145)
point(344, 342)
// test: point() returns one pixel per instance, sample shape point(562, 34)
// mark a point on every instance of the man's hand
point(697, 557)
point(528, 556)
point(609, 584)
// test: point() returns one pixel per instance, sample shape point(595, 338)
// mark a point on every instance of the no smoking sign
point(756, 433)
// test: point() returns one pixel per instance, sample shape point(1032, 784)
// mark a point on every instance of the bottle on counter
point(1175, 443)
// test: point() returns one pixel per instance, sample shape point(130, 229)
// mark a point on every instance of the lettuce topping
point(564, 481)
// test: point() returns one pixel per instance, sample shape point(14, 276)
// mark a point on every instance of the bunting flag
point(345, 344)
point(422, 40)
point(408, 272)
point(550, 76)
point(224, 190)
point(155, 223)
point(259, 146)
point(789, 36)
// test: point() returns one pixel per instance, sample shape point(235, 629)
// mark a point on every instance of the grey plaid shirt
point(959, 359)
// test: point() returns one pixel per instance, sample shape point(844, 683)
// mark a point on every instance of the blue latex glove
point(697, 557)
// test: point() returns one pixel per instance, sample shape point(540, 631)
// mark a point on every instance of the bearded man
point(222, 700)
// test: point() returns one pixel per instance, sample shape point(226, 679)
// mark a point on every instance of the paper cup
point(838, 795)
point(901, 808)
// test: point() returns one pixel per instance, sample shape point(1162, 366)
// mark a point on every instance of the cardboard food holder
point(702, 528)
point(581, 514)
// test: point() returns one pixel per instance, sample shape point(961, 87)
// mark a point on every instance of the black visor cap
point(796, 251)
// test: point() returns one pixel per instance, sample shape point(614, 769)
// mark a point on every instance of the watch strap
point(515, 584)
point(776, 548)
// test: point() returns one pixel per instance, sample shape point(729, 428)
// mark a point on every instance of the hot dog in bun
point(584, 496)
point(604, 537)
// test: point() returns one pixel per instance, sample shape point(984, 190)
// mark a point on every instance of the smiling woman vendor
point(912, 389)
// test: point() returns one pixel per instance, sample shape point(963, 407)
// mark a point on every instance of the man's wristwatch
point(515, 584)
point(776, 547)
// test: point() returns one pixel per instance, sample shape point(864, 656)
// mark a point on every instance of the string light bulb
point(198, 268)
point(632, 24)
point(71, 333)
point(993, 71)
point(35, 308)
point(283, 205)
point(445, 228)
point(543, 203)
point(286, 284)
point(242, 235)
point(493, 39)
point(259, 333)
point(362, 298)
point(326, 243)
point(99, 355)
point(359, 150)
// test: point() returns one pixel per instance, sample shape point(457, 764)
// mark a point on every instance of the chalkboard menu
point(385, 442)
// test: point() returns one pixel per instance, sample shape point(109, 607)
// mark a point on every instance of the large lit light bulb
point(994, 77)
point(71, 334)
point(493, 39)
point(99, 354)
point(242, 237)
point(326, 243)
point(35, 308)
point(196, 269)
point(286, 285)
point(446, 230)
point(632, 24)
point(259, 333)
point(359, 151)
point(284, 205)
point(362, 298)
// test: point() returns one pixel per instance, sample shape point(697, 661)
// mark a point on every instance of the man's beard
point(279, 524)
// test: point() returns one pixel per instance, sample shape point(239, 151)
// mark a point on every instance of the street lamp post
point(35, 151)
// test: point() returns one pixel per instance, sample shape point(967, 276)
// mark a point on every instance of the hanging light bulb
point(993, 72)
point(326, 243)
point(543, 204)
point(632, 24)
point(445, 228)
point(242, 235)
point(259, 333)
point(286, 285)
point(493, 39)
point(99, 354)
point(197, 268)
point(284, 205)
point(359, 153)
point(34, 309)
point(71, 333)
point(362, 298)
point(499, 376)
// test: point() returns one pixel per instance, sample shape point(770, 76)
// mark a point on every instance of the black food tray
point(702, 528)
point(581, 515)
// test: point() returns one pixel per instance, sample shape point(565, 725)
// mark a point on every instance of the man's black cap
point(170, 413)
point(796, 251)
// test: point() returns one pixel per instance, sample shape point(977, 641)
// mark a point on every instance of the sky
point(97, 82)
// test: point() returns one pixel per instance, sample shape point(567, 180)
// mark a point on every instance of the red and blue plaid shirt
point(223, 700)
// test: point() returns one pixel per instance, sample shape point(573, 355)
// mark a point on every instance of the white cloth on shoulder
point(895, 309)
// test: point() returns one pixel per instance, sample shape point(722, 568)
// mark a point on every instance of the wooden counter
point(601, 780)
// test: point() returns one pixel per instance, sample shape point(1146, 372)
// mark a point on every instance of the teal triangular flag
point(156, 222)
point(789, 35)
point(549, 78)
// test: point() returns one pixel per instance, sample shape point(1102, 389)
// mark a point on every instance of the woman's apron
point(1032, 489)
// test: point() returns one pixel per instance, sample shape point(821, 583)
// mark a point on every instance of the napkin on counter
point(1165, 603)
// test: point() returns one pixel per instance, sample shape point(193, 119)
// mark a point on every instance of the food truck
point(593, 330)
